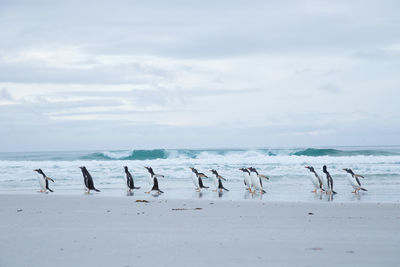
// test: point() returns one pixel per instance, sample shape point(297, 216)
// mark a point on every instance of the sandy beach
point(54, 230)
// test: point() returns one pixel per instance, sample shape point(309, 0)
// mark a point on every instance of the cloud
point(330, 87)
point(5, 94)
point(206, 73)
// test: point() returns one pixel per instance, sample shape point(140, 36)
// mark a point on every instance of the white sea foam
point(284, 170)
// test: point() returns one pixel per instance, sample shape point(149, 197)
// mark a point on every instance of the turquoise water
point(285, 166)
point(154, 154)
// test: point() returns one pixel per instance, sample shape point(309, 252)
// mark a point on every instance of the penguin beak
point(344, 169)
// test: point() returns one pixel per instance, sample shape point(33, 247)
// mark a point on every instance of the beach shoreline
point(65, 230)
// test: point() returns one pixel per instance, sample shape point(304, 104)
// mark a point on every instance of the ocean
point(289, 180)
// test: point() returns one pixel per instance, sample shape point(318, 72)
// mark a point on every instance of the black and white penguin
point(246, 178)
point(256, 180)
point(329, 181)
point(197, 179)
point(129, 180)
point(218, 181)
point(43, 181)
point(88, 180)
point(153, 180)
point(315, 179)
point(354, 181)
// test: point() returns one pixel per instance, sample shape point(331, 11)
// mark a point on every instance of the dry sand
point(54, 230)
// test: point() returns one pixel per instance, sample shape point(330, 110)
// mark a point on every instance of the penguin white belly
point(325, 184)
point(247, 180)
point(42, 182)
point(255, 181)
point(315, 181)
point(215, 180)
point(195, 180)
point(150, 180)
point(85, 183)
point(353, 182)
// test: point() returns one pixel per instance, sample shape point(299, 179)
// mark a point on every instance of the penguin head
point(348, 170)
point(244, 170)
point(214, 172)
point(252, 169)
point(324, 169)
point(39, 171)
point(311, 168)
point(126, 168)
point(150, 170)
point(193, 170)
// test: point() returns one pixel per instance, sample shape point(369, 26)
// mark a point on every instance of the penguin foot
point(147, 192)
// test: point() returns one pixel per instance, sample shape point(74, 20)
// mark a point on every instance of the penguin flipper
point(47, 186)
point(97, 190)
point(363, 189)
point(155, 186)
point(201, 184)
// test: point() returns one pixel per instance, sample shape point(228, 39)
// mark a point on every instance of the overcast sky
point(78, 75)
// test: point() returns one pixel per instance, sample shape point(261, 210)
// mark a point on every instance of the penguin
point(246, 178)
point(354, 181)
point(43, 181)
point(129, 180)
point(329, 181)
point(153, 177)
point(87, 178)
point(256, 180)
point(218, 181)
point(315, 179)
point(197, 179)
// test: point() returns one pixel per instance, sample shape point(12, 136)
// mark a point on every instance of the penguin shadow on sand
point(357, 196)
point(156, 194)
point(199, 194)
point(246, 194)
point(327, 197)
point(257, 196)
point(130, 194)
point(319, 195)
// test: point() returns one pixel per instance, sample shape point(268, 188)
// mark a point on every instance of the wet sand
point(94, 230)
